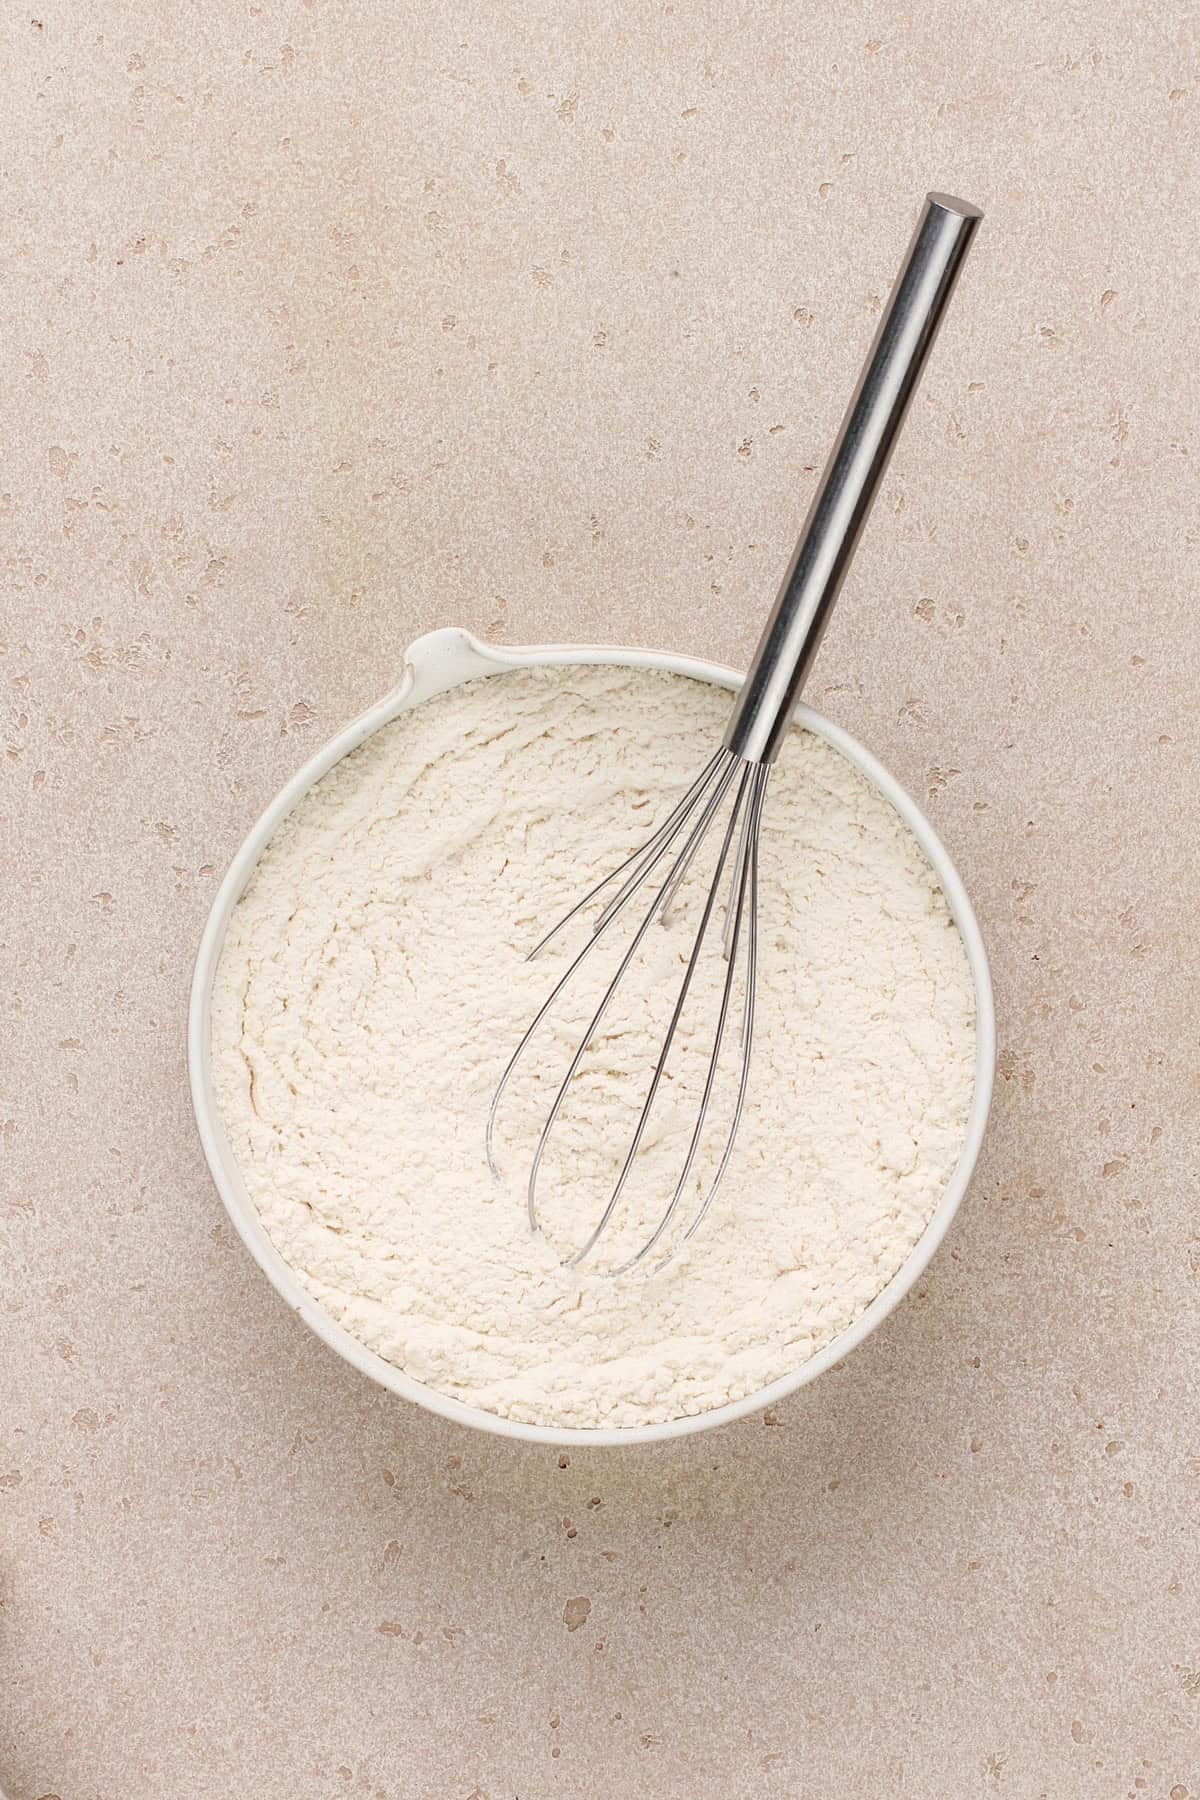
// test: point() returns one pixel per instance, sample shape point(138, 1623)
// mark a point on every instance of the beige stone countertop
point(323, 324)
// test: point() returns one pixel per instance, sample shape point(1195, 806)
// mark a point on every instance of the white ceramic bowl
point(443, 660)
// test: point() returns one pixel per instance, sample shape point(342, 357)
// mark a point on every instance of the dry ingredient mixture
point(373, 984)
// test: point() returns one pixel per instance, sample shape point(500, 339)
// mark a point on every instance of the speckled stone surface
point(324, 324)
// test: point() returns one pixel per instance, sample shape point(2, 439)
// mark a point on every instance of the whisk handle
point(851, 479)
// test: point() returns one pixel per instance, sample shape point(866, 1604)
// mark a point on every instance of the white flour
point(373, 984)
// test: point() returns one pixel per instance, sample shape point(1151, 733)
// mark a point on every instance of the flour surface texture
point(373, 984)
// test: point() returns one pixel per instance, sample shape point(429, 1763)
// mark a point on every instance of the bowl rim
point(434, 663)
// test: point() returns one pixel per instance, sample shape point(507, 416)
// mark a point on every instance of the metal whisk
point(740, 769)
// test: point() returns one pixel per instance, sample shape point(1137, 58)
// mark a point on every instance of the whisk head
point(727, 797)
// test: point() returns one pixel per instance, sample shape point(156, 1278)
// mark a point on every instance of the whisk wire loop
point(723, 782)
point(745, 869)
point(683, 831)
point(655, 1080)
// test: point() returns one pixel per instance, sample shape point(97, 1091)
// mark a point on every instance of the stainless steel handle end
point(952, 204)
